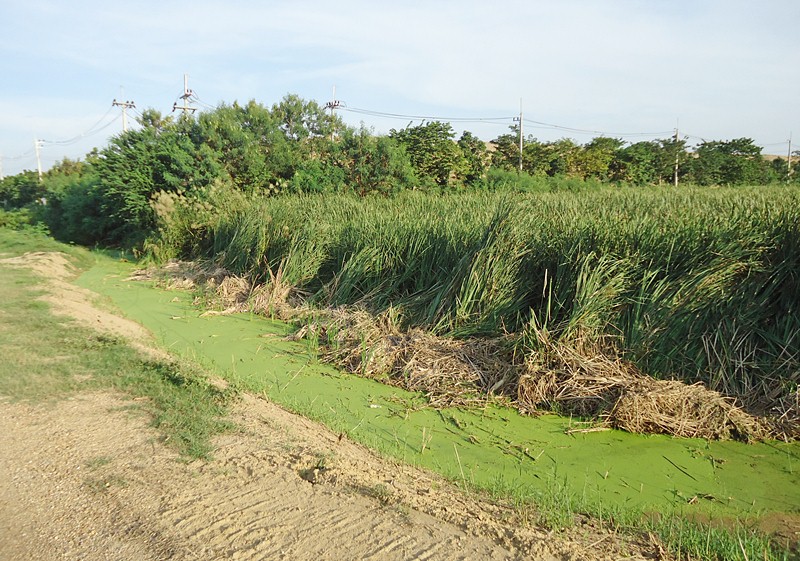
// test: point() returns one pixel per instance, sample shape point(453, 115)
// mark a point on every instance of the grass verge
point(49, 357)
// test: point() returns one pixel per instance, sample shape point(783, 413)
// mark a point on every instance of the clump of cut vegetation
point(615, 393)
point(451, 372)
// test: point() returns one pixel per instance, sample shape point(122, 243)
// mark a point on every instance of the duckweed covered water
point(494, 448)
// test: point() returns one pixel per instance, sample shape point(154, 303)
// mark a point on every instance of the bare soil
point(87, 478)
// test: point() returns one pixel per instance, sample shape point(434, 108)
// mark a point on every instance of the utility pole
point(187, 95)
point(677, 159)
point(125, 106)
point(788, 162)
point(2, 177)
point(520, 134)
point(37, 145)
point(333, 105)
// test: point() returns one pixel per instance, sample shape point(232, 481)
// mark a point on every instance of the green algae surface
point(494, 448)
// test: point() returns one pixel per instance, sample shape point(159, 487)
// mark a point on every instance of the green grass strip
point(49, 357)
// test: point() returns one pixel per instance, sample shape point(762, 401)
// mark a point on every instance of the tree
point(639, 163)
point(249, 144)
point(301, 120)
point(20, 190)
point(779, 171)
point(598, 157)
point(154, 120)
point(308, 131)
point(475, 157)
point(537, 158)
point(733, 162)
point(262, 149)
point(432, 151)
point(505, 150)
point(564, 157)
point(138, 164)
point(673, 150)
point(75, 210)
point(363, 163)
point(793, 176)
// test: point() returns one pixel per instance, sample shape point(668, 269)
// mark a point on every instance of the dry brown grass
point(228, 293)
point(450, 372)
point(618, 395)
point(182, 275)
point(786, 416)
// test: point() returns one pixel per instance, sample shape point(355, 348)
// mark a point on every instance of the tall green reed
point(687, 283)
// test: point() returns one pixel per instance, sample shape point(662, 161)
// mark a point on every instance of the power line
point(80, 137)
point(387, 115)
point(190, 97)
point(137, 113)
point(589, 131)
point(203, 103)
point(89, 132)
point(26, 154)
point(496, 120)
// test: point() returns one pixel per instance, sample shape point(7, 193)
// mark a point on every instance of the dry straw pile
point(472, 371)
point(450, 372)
point(615, 393)
point(223, 292)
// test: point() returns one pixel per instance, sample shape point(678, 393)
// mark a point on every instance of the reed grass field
point(691, 284)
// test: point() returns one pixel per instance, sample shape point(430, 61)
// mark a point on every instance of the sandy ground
point(86, 478)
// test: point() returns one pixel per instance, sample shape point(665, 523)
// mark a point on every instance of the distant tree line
point(295, 146)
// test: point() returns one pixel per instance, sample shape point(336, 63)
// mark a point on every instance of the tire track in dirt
point(83, 479)
point(262, 510)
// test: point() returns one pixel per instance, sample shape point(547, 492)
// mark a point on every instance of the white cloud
point(722, 66)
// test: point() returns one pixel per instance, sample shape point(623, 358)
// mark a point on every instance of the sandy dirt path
point(86, 478)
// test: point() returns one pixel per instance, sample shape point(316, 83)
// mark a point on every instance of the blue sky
point(718, 69)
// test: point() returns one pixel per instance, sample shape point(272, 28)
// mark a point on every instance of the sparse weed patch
point(381, 493)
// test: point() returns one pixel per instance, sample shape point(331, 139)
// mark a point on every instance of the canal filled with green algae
point(493, 448)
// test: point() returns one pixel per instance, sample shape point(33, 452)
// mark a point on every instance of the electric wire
point(201, 102)
point(540, 124)
point(25, 154)
point(89, 132)
point(78, 138)
point(497, 120)
point(85, 133)
point(388, 115)
point(693, 137)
